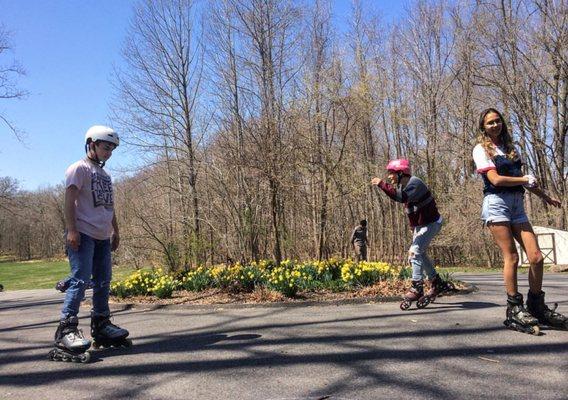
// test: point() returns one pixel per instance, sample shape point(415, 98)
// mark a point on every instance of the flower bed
point(289, 278)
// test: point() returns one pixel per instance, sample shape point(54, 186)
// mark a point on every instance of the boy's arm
point(115, 241)
point(352, 240)
point(73, 236)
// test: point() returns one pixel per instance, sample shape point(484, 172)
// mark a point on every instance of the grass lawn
point(41, 274)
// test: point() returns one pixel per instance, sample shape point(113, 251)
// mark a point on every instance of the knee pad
point(414, 253)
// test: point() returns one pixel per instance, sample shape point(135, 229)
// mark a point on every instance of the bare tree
point(159, 106)
point(262, 145)
point(267, 35)
point(10, 71)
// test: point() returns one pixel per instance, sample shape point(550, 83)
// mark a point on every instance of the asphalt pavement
point(456, 348)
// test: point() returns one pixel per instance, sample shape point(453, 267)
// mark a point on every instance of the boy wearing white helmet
point(91, 234)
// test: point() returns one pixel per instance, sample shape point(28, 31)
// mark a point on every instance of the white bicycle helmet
point(101, 133)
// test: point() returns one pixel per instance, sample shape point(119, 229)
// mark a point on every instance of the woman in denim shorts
point(503, 212)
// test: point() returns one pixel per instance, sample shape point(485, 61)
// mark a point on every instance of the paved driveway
point(457, 348)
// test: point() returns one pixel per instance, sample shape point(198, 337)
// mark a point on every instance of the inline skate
point(70, 344)
point(518, 318)
point(106, 334)
point(416, 293)
point(545, 316)
point(438, 287)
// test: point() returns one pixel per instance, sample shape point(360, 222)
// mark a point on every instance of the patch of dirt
point(559, 268)
point(264, 295)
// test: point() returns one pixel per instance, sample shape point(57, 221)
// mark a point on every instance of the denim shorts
point(504, 207)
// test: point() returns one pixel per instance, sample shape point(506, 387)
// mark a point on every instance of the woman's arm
point(540, 193)
point(501, 180)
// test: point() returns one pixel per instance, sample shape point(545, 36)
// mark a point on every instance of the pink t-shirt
point(94, 207)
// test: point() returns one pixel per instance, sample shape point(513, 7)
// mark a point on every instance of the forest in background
point(259, 124)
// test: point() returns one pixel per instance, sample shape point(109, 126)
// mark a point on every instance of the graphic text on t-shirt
point(101, 187)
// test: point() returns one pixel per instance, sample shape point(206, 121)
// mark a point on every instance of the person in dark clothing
point(359, 240)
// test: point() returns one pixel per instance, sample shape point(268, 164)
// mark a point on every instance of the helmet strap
point(96, 159)
point(399, 176)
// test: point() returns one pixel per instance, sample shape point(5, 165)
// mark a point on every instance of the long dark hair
point(506, 139)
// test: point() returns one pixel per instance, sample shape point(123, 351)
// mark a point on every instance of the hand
point(73, 239)
point(114, 241)
point(376, 181)
point(553, 202)
point(532, 182)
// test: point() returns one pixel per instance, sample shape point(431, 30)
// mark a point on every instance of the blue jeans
point(93, 259)
point(421, 263)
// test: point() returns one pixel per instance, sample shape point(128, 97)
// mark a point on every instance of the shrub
point(248, 278)
point(197, 279)
point(287, 278)
point(365, 273)
point(164, 286)
point(144, 283)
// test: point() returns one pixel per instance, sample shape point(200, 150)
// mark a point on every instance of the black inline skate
point(416, 293)
point(518, 318)
point(106, 334)
point(545, 316)
point(438, 287)
point(70, 344)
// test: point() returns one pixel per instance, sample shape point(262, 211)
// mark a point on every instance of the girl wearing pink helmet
point(426, 222)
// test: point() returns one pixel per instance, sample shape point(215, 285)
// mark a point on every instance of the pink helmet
point(399, 165)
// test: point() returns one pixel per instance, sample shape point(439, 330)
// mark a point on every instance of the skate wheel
point(85, 357)
point(423, 302)
point(536, 330)
point(405, 305)
point(52, 355)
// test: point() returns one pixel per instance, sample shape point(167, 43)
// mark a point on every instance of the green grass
point(41, 274)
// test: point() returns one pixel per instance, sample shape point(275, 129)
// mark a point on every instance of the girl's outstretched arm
point(393, 193)
point(543, 195)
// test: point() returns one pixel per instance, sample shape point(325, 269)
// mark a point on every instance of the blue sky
point(68, 49)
